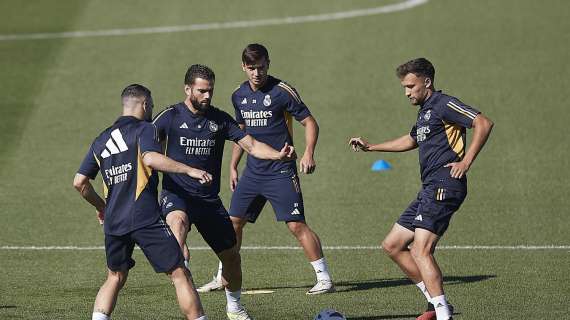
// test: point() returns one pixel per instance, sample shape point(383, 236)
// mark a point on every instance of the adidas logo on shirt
point(295, 212)
point(184, 126)
point(114, 145)
point(419, 218)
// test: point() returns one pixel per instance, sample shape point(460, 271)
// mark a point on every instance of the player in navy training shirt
point(439, 133)
point(126, 154)
point(194, 133)
point(264, 107)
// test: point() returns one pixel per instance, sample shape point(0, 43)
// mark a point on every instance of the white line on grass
point(404, 5)
point(449, 247)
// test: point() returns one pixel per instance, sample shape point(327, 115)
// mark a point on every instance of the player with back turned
point(440, 135)
point(127, 155)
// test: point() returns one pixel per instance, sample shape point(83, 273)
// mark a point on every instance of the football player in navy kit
point(194, 133)
point(264, 108)
point(440, 135)
point(127, 155)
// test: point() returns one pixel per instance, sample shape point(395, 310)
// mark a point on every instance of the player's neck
point(133, 112)
point(190, 107)
point(256, 87)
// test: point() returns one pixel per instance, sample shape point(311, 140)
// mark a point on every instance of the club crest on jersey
point(267, 100)
point(427, 115)
point(213, 126)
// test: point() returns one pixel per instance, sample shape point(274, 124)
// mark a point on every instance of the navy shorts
point(208, 215)
point(433, 208)
point(157, 243)
point(284, 194)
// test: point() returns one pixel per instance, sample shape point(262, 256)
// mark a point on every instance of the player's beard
point(201, 107)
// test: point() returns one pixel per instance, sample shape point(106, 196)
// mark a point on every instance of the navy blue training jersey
point(440, 134)
point(266, 114)
point(198, 141)
point(130, 187)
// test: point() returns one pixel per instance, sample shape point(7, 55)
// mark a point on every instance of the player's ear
point(243, 66)
point(187, 89)
point(427, 82)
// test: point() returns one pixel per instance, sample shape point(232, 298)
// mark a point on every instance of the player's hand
point(101, 216)
point(308, 164)
point(233, 179)
point(359, 143)
point(202, 176)
point(287, 153)
point(458, 169)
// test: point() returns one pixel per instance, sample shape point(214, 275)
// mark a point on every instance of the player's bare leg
point(178, 222)
point(216, 283)
point(396, 246)
point(238, 224)
point(187, 296)
point(232, 280)
point(313, 251)
point(307, 239)
point(422, 252)
point(107, 295)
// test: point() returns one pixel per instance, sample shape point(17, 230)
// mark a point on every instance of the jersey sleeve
point(414, 132)
point(162, 122)
point(233, 131)
point(294, 105)
point(148, 139)
point(90, 166)
point(459, 113)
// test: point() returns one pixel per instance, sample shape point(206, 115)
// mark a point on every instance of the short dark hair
point(419, 67)
point(199, 71)
point(254, 52)
point(136, 90)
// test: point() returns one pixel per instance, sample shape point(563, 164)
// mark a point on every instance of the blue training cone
point(381, 165)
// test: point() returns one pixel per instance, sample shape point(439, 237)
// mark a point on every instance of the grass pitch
point(505, 58)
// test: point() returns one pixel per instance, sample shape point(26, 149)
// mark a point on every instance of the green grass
point(507, 58)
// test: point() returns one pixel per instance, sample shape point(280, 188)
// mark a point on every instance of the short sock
point(423, 289)
point(321, 269)
point(100, 316)
point(219, 274)
point(441, 307)
point(233, 300)
point(202, 318)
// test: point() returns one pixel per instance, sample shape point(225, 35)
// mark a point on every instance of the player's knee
point(230, 257)
point(419, 251)
point(390, 248)
point(298, 229)
point(238, 223)
point(117, 277)
point(177, 220)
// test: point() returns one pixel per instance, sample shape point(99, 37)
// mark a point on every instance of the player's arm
point(307, 162)
point(82, 184)
point(261, 150)
point(401, 144)
point(237, 153)
point(160, 162)
point(482, 127)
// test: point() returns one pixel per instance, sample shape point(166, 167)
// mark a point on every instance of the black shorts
point(433, 208)
point(208, 215)
point(157, 243)
point(284, 194)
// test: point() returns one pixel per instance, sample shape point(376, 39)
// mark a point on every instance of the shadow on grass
point(348, 286)
point(8, 307)
point(388, 316)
